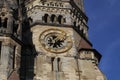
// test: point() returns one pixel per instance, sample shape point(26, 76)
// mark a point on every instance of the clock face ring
point(55, 40)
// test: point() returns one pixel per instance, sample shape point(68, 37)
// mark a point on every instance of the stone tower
point(56, 42)
point(46, 40)
point(10, 40)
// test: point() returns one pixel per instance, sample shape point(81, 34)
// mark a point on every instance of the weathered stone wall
point(10, 58)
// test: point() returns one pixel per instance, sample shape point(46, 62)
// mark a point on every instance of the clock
point(55, 40)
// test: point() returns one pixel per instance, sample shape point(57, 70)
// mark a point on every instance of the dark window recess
point(52, 62)
point(0, 23)
point(78, 27)
point(60, 19)
point(14, 48)
point(15, 27)
point(46, 18)
point(58, 64)
point(5, 23)
point(53, 18)
point(64, 20)
point(74, 24)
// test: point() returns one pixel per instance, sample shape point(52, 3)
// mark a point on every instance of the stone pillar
point(4, 62)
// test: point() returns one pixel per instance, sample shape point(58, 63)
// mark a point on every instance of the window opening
point(46, 18)
point(60, 19)
point(14, 49)
point(53, 18)
point(52, 62)
point(58, 64)
point(5, 23)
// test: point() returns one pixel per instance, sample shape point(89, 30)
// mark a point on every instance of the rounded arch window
point(46, 18)
point(60, 19)
point(53, 17)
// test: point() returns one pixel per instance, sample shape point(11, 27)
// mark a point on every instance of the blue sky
point(104, 33)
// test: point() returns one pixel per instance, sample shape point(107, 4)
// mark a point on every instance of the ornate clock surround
point(55, 40)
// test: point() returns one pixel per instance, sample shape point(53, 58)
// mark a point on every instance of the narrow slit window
point(14, 49)
point(60, 19)
point(15, 27)
point(58, 64)
point(52, 63)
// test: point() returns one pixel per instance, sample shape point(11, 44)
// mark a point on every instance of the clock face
point(55, 40)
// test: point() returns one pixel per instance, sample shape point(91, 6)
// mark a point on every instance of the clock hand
point(61, 37)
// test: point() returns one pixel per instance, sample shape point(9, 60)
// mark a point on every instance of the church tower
point(57, 46)
point(46, 40)
point(10, 40)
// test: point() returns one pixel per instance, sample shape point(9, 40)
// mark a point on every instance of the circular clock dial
point(55, 40)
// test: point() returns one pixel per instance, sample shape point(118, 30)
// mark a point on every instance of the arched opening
point(53, 17)
point(46, 16)
point(5, 23)
point(60, 19)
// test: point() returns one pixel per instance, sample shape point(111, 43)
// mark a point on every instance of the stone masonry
point(46, 40)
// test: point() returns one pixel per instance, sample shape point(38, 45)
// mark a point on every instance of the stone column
point(4, 62)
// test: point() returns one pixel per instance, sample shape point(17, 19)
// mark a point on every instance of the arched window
point(46, 18)
point(5, 23)
point(60, 19)
point(53, 18)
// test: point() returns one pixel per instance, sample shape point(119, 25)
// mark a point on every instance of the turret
point(9, 22)
point(10, 40)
